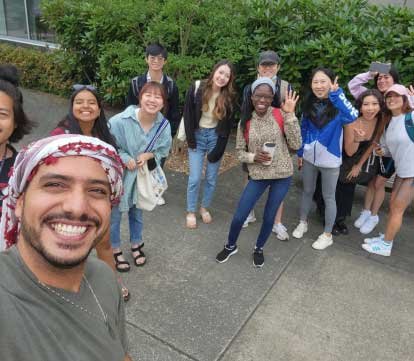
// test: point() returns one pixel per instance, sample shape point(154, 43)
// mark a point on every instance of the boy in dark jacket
point(156, 58)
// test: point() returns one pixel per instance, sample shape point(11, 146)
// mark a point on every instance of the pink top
point(356, 86)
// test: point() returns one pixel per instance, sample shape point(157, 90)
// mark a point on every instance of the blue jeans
point(135, 226)
point(206, 140)
point(278, 189)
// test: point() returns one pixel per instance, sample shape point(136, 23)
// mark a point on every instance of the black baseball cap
point(269, 56)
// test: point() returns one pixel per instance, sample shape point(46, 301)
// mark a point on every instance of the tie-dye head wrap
point(46, 151)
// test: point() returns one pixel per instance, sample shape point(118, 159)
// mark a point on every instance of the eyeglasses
point(77, 87)
point(267, 98)
point(158, 58)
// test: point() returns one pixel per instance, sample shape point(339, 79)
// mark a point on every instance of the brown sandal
point(206, 216)
point(191, 221)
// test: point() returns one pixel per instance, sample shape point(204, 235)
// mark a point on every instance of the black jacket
point(173, 114)
point(192, 116)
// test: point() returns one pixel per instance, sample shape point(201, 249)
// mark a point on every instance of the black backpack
point(139, 81)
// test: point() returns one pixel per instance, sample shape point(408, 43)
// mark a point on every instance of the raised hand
point(335, 85)
point(291, 99)
point(410, 91)
point(359, 135)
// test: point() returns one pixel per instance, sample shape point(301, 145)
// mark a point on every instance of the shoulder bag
point(151, 184)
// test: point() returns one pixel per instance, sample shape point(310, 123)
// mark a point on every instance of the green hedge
point(103, 41)
point(38, 70)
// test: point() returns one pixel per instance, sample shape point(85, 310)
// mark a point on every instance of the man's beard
point(32, 237)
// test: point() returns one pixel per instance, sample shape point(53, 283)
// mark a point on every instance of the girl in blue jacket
point(325, 111)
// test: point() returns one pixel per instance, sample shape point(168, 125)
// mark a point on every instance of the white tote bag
point(151, 185)
point(181, 129)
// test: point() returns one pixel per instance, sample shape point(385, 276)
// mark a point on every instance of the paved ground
point(338, 304)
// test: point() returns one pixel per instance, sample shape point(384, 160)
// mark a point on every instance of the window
point(15, 18)
point(22, 19)
point(38, 28)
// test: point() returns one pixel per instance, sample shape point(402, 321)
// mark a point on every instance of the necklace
point(82, 308)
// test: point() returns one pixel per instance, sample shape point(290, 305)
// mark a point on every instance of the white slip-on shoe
point(369, 224)
point(300, 229)
point(281, 232)
point(322, 242)
point(362, 218)
point(250, 219)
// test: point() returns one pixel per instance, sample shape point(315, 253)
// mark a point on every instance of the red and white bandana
point(46, 151)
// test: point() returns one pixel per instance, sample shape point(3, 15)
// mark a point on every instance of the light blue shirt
point(132, 140)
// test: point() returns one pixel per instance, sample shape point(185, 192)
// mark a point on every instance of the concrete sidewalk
point(337, 304)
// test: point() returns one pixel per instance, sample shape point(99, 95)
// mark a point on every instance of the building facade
point(20, 21)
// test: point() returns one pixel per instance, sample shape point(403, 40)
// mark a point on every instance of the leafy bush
point(38, 70)
point(103, 41)
point(344, 35)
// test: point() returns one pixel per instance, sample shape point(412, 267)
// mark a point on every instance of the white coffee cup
point(269, 148)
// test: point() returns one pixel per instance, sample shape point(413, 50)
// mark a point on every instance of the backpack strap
point(246, 131)
point(409, 125)
point(170, 86)
point(135, 86)
point(196, 86)
point(279, 119)
point(277, 115)
point(138, 83)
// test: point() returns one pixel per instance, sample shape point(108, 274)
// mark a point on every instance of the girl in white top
point(400, 146)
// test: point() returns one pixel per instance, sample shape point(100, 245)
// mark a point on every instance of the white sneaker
point(300, 230)
point(381, 248)
point(281, 232)
point(362, 218)
point(322, 242)
point(250, 219)
point(160, 201)
point(376, 239)
point(369, 224)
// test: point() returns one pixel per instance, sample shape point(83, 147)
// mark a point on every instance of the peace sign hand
point(411, 91)
point(334, 85)
point(291, 98)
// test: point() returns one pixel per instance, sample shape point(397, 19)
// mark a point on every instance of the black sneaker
point(258, 258)
point(342, 228)
point(335, 230)
point(225, 254)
